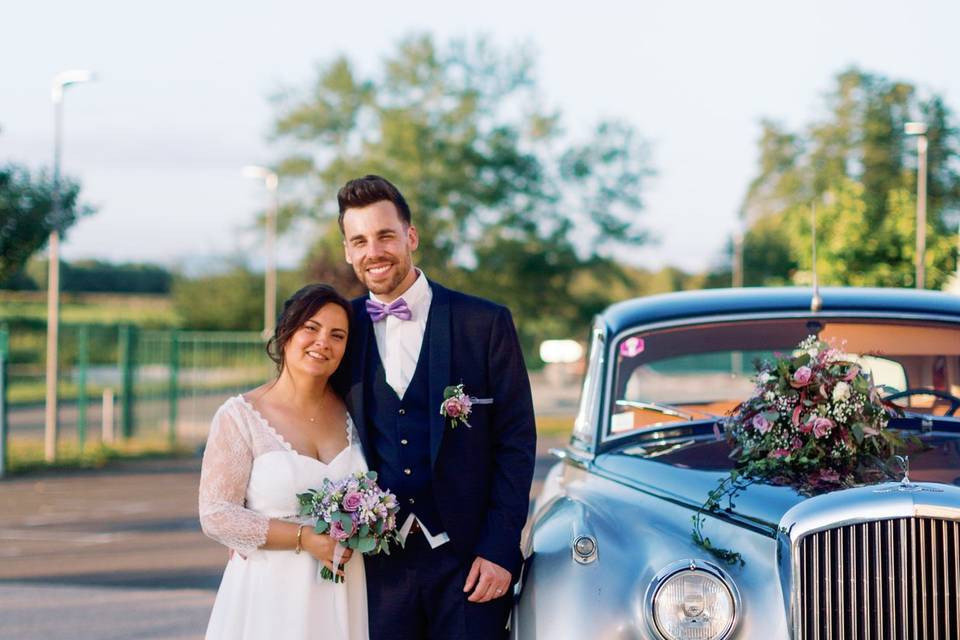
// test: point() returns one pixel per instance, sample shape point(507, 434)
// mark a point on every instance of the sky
point(182, 98)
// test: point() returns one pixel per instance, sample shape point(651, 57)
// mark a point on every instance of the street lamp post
point(919, 129)
point(60, 82)
point(271, 181)
point(737, 266)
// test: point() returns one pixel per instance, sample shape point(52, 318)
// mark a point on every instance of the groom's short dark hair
point(362, 192)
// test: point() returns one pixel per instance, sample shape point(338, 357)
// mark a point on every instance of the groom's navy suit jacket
point(481, 474)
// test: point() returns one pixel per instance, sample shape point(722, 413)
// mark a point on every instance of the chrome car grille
point(886, 580)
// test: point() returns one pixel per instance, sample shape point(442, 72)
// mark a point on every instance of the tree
point(507, 206)
point(26, 215)
point(858, 167)
point(227, 301)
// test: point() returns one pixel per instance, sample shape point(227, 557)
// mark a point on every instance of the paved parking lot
point(103, 555)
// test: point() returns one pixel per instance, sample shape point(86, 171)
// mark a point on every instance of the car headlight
point(692, 600)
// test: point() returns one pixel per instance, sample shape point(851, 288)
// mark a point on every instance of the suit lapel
point(359, 373)
point(440, 348)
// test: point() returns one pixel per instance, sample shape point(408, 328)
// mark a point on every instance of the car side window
point(584, 427)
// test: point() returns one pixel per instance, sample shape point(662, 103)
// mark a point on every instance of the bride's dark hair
point(299, 308)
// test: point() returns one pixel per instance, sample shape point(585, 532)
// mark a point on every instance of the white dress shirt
point(399, 343)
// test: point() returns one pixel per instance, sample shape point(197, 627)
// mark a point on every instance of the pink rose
point(338, 533)
point(779, 453)
point(352, 501)
point(801, 376)
point(453, 407)
point(795, 444)
point(822, 426)
point(761, 424)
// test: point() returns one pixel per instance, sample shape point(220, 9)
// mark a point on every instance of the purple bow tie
point(398, 309)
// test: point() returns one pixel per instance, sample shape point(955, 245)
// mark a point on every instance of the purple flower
point(826, 477)
point(352, 501)
point(337, 532)
point(761, 424)
point(802, 377)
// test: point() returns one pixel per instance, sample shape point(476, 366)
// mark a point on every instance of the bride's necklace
point(313, 418)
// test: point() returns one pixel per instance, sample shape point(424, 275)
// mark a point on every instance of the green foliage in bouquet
point(816, 422)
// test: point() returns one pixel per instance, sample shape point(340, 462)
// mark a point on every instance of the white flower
point(769, 396)
point(841, 392)
point(764, 377)
point(812, 353)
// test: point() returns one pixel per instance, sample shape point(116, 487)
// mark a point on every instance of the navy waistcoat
point(399, 431)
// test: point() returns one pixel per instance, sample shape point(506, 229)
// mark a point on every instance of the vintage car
point(608, 545)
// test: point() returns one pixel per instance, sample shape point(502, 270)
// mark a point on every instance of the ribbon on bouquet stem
point(338, 552)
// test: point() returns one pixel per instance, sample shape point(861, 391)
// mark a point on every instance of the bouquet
point(355, 512)
point(815, 421)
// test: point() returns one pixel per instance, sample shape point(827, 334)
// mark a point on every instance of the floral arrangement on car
point(816, 422)
point(355, 512)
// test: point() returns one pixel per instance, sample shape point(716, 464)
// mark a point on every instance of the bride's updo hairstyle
point(299, 308)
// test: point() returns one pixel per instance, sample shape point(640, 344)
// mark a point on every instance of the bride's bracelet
point(299, 547)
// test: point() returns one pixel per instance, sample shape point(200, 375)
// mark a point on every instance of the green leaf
point(372, 475)
point(366, 545)
point(364, 530)
point(857, 431)
point(321, 526)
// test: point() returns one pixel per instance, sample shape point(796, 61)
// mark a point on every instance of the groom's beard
point(399, 269)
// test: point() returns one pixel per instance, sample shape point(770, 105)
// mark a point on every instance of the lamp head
point(66, 78)
point(915, 128)
point(261, 173)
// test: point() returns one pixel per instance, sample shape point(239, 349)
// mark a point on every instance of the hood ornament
point(904, 462)
point(905, 485)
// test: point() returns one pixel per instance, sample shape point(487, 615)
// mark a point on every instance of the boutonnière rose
point(457, 405)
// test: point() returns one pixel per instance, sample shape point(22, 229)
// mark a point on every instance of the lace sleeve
point(227, 461)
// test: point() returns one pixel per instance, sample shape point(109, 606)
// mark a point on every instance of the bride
point(265, 447)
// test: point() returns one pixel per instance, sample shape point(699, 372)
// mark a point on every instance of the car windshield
point(696, 372)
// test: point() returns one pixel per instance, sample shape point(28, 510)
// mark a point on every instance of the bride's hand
point(322, 547)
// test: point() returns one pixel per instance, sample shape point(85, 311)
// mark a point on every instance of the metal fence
point(164, 383)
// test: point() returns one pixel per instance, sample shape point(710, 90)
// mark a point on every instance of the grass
point(33, 392)
point(553, 426)
point(91, 308)
point(26, 456)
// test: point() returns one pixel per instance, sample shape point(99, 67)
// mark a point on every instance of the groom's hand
point(490, 579)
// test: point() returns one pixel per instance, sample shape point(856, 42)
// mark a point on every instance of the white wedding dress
point(250, 475)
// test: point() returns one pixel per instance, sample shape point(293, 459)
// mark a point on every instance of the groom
point(463, 485)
